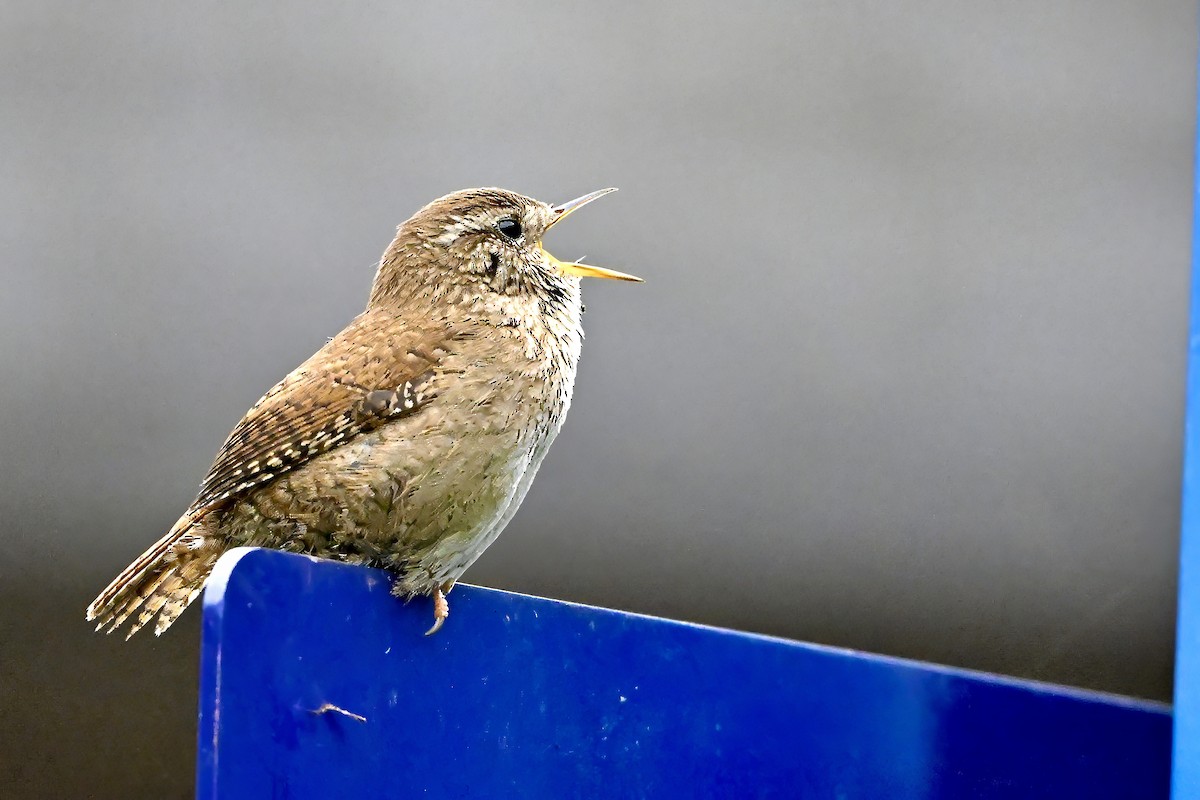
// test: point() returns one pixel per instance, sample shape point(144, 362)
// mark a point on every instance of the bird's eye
point(510, 228)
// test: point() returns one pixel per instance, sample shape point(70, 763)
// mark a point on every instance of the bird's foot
point(441, 610)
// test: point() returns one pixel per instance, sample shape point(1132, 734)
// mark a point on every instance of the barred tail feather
point(162, 581)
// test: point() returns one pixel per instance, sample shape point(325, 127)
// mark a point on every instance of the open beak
point(564, 210)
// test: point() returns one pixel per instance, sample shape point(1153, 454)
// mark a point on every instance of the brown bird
point(409, 440)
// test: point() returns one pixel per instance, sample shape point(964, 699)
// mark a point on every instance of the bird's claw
point(441, 610)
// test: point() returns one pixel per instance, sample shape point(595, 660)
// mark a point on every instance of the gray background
point(906, 374)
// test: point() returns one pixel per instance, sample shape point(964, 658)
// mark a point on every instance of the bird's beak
point(564, 210)
point(588, 271)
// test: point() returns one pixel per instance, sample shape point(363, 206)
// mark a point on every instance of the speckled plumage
point(409, 440)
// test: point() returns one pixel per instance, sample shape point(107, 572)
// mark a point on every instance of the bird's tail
point(164, 580)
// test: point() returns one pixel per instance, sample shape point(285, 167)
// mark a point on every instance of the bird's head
point(477, 242)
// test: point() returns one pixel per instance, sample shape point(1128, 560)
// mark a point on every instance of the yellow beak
point(588, 271)
point(561, 212)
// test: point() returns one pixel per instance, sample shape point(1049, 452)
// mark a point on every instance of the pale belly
point(423, 496)
point(410, 497)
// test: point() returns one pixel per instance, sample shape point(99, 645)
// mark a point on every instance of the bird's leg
point(441, 610)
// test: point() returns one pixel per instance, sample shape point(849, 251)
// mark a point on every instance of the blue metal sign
point(316, 683)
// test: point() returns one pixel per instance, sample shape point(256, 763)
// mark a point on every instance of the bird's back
point(403, 442)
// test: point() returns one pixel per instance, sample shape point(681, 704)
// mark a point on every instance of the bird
point(409, 440)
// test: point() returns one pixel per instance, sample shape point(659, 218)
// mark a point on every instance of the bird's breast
point(425, 494)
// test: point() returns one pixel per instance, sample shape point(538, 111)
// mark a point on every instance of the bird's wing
point(363, 378)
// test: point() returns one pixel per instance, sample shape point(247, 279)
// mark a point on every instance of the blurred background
point(906, 374)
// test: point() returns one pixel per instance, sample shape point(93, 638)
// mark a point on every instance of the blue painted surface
point(524, 697)
point(1186, 777)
